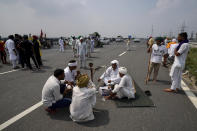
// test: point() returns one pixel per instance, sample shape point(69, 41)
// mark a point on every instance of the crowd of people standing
point(21, 49)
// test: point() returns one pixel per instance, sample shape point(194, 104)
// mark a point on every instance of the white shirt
point(61, 42)
point(51, 91)
point(172, 49)
point(157, 53)
point(113, 75)
point(69, 76)
point(83, 100)
point(180, 60)
point(125, 82)
point(81, 48)
point(11, 46)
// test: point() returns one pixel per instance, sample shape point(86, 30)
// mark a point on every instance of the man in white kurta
point(125, 88)
point(61, 44)
point(111, 75)
point(179, 63)
point(51, 95)
point(88, 50)
point(74, 47)
point(129, 43)
point(82, 52)
point(92, 45)
point(71, 73)
point(10, 46)
point(83, 100)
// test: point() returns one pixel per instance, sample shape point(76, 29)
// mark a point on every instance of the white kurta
point(69, 76)
point(11, 46)
point(125, 88)
point(172, 49)
point(83, 101)
point(92, 45)
point(82, 53)
point(128, 44)
point(112, 75)
point(51, 91)
point(61, 43)
point(178, 66)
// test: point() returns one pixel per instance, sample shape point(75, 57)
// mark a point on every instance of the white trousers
point(13, 63)
point(82, 60)
point(92, 47)
point(128, 47)
point(176, 77)
point(61, 48)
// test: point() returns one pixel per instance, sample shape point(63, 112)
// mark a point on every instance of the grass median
point(191, 62)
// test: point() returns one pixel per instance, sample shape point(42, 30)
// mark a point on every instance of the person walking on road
point(61, 44)
point(82, 52)
point(10, 46)
point(92, 45)
point(179, 63)
point(29, 53)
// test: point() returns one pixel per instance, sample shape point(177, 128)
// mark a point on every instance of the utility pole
point(152, 31)
point(183, 27)
point(192, 35)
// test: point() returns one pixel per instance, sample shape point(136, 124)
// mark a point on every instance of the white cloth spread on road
point(83, 101)
point(51, 91)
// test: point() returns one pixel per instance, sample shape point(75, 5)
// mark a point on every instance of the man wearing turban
point(83, 100)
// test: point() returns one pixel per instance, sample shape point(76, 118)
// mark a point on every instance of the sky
point(108, 17)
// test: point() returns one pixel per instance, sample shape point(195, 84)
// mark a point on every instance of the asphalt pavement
point(21, 89)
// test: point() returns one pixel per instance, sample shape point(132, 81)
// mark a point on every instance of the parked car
point(105, 41)
point(136, 40)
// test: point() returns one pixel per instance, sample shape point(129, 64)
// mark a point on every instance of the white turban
point(123, 70)
point(173, 40)
point(81, 38)
point(115, 62)
point(72, 64)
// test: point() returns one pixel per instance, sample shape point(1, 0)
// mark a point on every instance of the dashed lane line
point(9, 72)
point(122, 53)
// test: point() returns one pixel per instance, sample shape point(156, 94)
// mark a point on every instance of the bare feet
point(170, 90)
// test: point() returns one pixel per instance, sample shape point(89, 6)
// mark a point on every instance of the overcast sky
point(108, 17)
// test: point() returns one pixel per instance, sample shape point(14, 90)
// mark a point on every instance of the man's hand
point(66, 91)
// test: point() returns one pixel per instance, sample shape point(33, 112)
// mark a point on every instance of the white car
point(105, 41)
point(136, 40)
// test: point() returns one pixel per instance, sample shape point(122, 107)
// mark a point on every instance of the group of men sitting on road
point(69, 87)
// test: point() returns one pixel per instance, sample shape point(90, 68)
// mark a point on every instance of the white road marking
point(9, 72)
point(189, 94)
point(122, 53)
point(19, 116)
